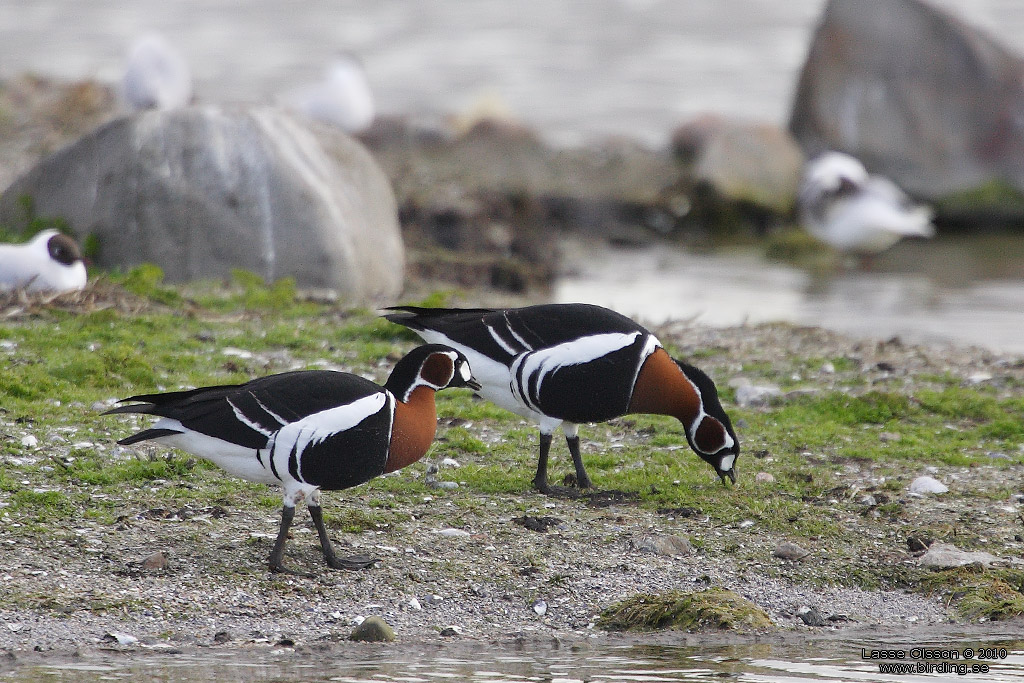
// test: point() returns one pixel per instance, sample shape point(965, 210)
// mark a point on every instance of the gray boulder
point(757, 163)
point(201, 191)
point(916, 95)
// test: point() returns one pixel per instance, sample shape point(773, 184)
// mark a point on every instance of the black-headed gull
point(49, 262)
point(853, 211)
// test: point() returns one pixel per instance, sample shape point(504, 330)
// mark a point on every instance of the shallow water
point(966, 291)
point(782, 662)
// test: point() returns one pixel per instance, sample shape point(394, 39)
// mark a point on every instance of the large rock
point(916, 94)
point(757, 163)
point(201, 191)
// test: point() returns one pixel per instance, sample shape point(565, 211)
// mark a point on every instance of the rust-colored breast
point(414, 428)
point(662, 389)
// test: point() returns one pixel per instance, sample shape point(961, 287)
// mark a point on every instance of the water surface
point(837, 660)
point(574, 69)
point(960, 290)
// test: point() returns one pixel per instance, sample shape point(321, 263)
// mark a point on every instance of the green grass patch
point(978, 593)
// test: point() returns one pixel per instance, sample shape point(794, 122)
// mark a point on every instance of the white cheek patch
point(727, 462)
point(466, 373)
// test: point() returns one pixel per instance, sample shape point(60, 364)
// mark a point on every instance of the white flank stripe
point(512, 331)
point(576, 352)
point(313, 429)
point(499, 341)
point(255, 426)
point(271, 413)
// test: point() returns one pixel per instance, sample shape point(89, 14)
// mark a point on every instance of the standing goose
point(309, 430)
point(563, 364)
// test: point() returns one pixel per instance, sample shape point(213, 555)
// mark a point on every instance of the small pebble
point(221, 637)
point(927, 484)
point(756, 395)
point(451, 631)
point(790, 551)
point(29, 441)
point(764, 478)
point(154, 562)
point(454, 533)
point(889, 437)
point(415, 604)
point(540, 607)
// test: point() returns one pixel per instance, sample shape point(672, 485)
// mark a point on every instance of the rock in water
point(916, 94)
point(373, 630)
point(201, 191)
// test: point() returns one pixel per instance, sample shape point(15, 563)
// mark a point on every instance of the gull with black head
point(49, 262)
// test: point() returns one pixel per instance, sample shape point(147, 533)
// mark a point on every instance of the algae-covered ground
point(97, 539)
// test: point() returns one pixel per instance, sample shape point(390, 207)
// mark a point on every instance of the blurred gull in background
point(844, 206)
point(343, 98)
point(50, 262)
point(156, 76)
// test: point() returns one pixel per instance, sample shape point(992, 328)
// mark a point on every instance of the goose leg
point(582, 478)
point(540, 481)
point(277, 554)
point(352, 563)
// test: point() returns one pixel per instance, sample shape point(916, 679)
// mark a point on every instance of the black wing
point(503, 334)
point(247, 414)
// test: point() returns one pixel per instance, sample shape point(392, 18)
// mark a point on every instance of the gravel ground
point(474, 569)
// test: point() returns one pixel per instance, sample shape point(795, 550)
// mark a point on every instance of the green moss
point(460, 439)
point(146, 281)
point(100, 471)
point(711, 609)
point(42, 506)
point(978, 593)
point(993, 194)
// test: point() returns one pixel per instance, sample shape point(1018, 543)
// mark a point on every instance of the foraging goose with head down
point(564, 364)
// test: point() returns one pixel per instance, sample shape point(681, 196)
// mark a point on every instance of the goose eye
point(710, 436)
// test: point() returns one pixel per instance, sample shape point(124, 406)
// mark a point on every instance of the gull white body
point(156, 76)
point(34, 266)
point(844, 206)
point(343, 98)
